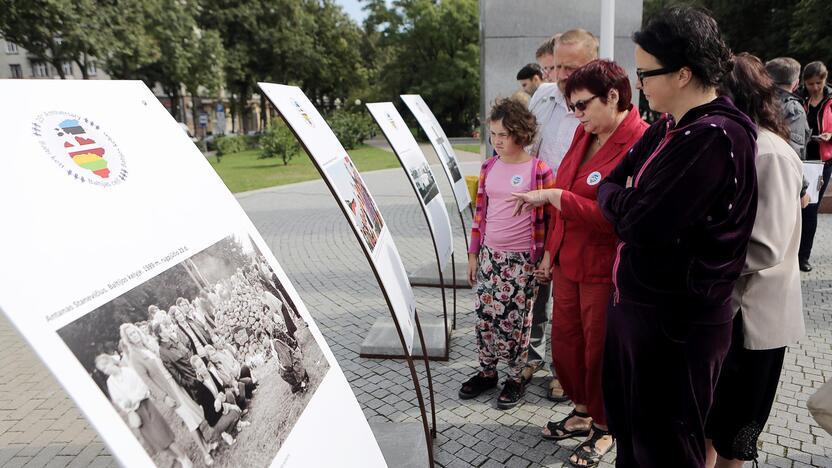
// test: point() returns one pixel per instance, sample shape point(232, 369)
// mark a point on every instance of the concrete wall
point(511, 31)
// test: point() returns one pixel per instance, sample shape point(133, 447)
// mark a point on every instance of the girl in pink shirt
point(504, 252)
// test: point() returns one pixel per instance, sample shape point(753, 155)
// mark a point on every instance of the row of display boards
point(141, 283)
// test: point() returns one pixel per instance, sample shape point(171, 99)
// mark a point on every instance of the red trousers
point(578, 332)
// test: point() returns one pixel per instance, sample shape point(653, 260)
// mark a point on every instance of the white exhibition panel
point(104, 195)
point(419, 172)
point(813, 173)
point(442, 147)
point(352, 193)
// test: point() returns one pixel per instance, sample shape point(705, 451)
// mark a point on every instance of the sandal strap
point(597, 432)
point(579, 414)
point(560, 426)
point(591, 455)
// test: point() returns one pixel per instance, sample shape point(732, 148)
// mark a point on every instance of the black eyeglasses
point(642, 74)
point(581, 105)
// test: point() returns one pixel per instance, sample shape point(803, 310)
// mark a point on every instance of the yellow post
point(473, 183)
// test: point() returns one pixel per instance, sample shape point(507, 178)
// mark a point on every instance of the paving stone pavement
point(40, 426)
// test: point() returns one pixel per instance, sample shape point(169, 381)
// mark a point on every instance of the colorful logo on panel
point(80, 148)
point(303, 113)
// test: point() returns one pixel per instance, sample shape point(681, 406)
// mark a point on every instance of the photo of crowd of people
point(360, 204)
point(208, 363)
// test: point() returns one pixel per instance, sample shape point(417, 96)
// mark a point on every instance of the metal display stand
point(429, 431)
point(439, 267)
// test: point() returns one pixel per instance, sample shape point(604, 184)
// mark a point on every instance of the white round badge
point(593, 178)
point(516, 180)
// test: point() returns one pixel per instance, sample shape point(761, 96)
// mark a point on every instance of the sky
point(353, 8)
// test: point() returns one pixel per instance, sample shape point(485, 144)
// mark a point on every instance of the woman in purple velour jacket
point(683, 203)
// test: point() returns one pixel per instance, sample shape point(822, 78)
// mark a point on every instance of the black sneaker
point(511, 395)
point(477, 384)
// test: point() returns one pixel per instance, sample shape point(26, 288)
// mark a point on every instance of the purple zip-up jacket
point(685, 223)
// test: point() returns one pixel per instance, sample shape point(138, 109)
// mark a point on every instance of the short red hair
point(599, 77)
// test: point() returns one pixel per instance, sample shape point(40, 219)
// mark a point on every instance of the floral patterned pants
point(504, 297)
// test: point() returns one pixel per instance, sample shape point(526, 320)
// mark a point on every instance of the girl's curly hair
point(517, 120)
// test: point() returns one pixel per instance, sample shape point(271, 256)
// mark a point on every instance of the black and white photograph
point(447, 157)
point(425, 183)
point(355, 195)
point(209, 363)
point(450, 161)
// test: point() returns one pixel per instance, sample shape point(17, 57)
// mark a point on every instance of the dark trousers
point(810, 218)
point(743, 397)
point(660, 370)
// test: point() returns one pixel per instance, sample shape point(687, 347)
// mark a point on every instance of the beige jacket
point(768, 291)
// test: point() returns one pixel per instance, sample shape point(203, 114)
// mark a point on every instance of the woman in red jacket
point(817, 95)
point(580, 248)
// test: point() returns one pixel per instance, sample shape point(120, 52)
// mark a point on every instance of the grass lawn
point(469, 148)
point(243, 171)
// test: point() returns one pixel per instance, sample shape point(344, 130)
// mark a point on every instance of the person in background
point(522, 98)
point(220, 414)
point(545, 57)
point(150, 368)
point(192, 333)
point(580, 248)
point(503, 253)
point(175, 357)
point(230, 371)
point(785, 72)
point(683, 203)
point(817, 99)
point(766, 297)
point(530, 77)
point(131, 396)
point(556, 129)
point(290, 364)
point(195, 315)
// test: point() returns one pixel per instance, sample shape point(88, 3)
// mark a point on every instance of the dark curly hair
point(755, 93)
point(517, 120)
point(684, 36)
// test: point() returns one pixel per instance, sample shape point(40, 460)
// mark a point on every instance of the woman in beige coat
point(767, 295)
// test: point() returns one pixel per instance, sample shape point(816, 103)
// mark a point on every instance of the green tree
point(331, 67)
point(134, 46)
point(761, 27)
point(263, 40)
point(56, 31)
point(810, 31)
point(279, 141)
point(428, 47)
point(160, 41)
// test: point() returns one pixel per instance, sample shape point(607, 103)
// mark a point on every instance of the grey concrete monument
point(510, 33)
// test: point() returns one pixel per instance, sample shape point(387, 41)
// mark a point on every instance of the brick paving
point(40, 426)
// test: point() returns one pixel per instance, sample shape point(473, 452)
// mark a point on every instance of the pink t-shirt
point(503, 231)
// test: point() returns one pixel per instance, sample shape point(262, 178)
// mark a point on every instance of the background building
point(16, 62)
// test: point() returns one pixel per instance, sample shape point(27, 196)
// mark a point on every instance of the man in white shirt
point(558, 57)
point(530, 77)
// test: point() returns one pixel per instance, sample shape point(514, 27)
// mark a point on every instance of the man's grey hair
point(783, 70)
point(580, 36)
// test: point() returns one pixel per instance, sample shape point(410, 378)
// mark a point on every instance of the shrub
point(231, 144)
point(351, 128)
point(278, 141)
